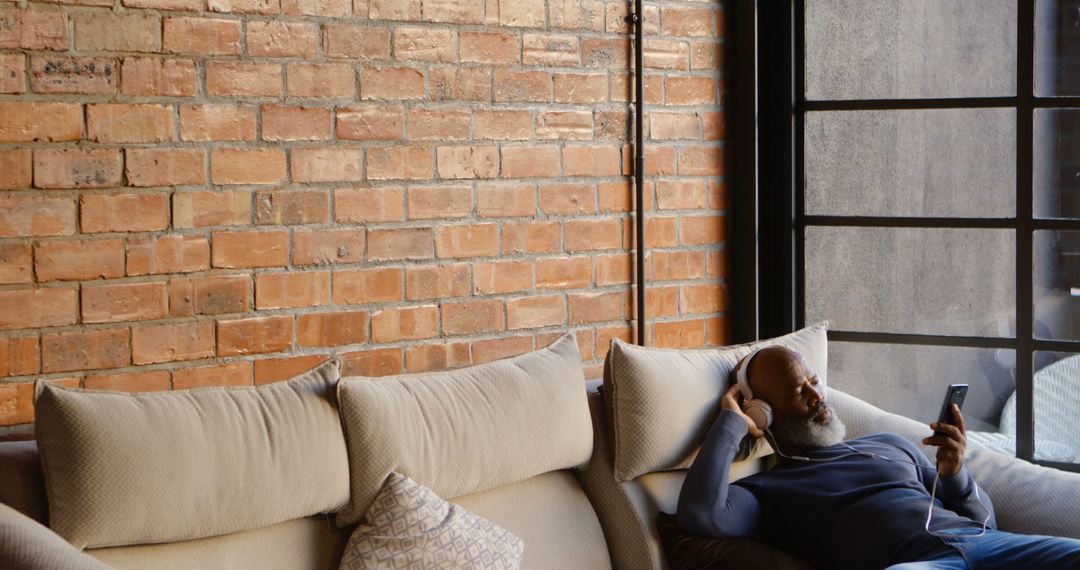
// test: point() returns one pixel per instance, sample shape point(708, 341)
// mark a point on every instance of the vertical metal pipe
point(639, 162)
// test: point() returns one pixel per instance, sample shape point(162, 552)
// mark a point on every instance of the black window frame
point(767, 65)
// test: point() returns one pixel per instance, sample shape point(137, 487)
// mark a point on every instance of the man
point(856, 504)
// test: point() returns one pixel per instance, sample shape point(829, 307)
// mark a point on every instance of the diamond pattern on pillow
point(409, 526)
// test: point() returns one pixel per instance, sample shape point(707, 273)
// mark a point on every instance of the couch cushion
point(143, 468)
point(27, 545)
point(409, 526)
point(686, 551)
point(467, 430)
point(22, 485)
point(662, 401)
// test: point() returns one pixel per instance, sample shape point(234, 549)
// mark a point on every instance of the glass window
point(1056, 163)
point(1057, 284)
point(1057, 47)
point(1057, 407)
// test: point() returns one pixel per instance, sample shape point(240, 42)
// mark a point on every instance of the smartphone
point(953, 395)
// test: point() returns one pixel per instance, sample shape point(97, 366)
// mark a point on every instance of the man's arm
point(708, 505)
point(960, 494)
point(958, 490)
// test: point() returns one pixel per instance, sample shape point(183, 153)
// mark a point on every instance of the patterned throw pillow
point(409, 526)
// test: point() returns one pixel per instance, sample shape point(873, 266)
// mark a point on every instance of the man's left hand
point(950, 441)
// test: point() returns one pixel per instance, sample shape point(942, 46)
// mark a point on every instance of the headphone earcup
point(760, 411)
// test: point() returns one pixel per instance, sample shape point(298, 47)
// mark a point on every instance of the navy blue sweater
point(857, 512)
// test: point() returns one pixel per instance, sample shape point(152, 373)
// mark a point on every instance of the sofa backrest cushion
point(467, 430)
point(143, 468)
point(26, 544)
point(22, 485)
point(662, 401)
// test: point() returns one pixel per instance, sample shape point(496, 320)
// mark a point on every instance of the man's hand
point(731, 401)
point(950, 443)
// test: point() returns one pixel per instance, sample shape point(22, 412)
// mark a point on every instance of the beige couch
point(577, 473)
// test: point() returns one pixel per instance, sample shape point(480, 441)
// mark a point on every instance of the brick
point(247, 166)
point(124, 212)
point(244, 6)
point(679, 21)
point(205, 209)
point(427, 203)
point(424, 44)
point(186, 5)
point(323, 81)
point(473, 240)
point(680, 195)
point(499, 348)
point(400, 163)
point(203, 123)
point(489, 47)
point(405, 323)
point(564, 125)
point(117, 32)
point(592, 161)
point(77, 168)
point(371, 285)
point(588, 235)
point(167, 254)
point(472, 317)
point(660, 161)
point(442, 125)
point(272, 370)
point(467, 162)
point(435, 357)
point(391, 83)
point(531, 237)
point(605, 53)
point(436, 281)
point(701, 161)
point(331, 329)
point(244, 79)
point(281, 39)
point(292, 207)
point(684, 264)
point(523, 13)
point(577, 14)
point(16, 168)
point(702, 230)
point(615, 269)
point(717, 331)
point(568, 199)
point(581, 87)
point(354, 42)
point(454, 11)
point(363, 205)
point(16, 263)
point(611, 125)
point(716, 264)
point(563, 273)
point(322, 247)
point(400, 243)
point(55, 74)
point(702, 298)
point(660, 231)
point(85, 350)
point(79, 260)
point(530, 162)
point(460, 84)
point(690, 90)
point(596, 307)
point(502, 276)
point(292, 290)
point(152, 381)
point(522, 86)
point(232, 374)
point(667, 54)
point(250, 249)
point(713, 126)
point(505, 200)
point(371, 122)
point(331, 164)
point(707, 55)
point(156, 76)
point(604, 335)
point(172, 342)
point(371, 363)
point(682, 334)
point(33, 29)
point(615, 19)
point(394, 9)
point(17, 399)
point(659, 302)
point(674, 126)
point(623, 89)
point(549, 50)
point(112, 303)
point(328, 8)
point(37, 308)
point(118, 123)
point(165, 166)
point(39, 121)
point(202, 36)
point(536, 312)
point(212, 295)
point(502, 125)
point(295, 123)
point(22, 216)
point(254, 336)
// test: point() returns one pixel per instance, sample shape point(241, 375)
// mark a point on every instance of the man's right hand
point(732, 401)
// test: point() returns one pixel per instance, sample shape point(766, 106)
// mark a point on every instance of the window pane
point(899, 49)
point(937, 163)
point(1056, 163)
point(1057, 284)
point(910, 380)
point(1057, 47)
point(1057, 407)
point(926, 281)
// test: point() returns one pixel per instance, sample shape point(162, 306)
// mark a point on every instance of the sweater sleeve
point(962, 495)
point(708, 504)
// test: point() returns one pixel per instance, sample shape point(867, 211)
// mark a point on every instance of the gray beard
point(805, 433)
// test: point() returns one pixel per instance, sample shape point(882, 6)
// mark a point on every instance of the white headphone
point(758, 410)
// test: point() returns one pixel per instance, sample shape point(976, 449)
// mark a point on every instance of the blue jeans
point(1005, 551)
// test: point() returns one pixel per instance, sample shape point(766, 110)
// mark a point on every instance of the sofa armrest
point(27, 544)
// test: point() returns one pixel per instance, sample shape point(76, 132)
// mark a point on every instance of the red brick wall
point(198, 192)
